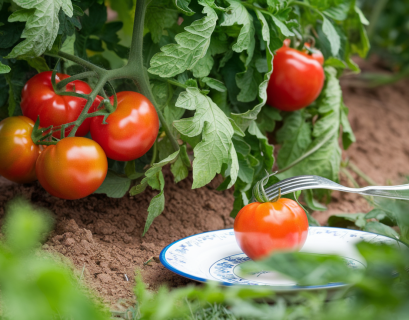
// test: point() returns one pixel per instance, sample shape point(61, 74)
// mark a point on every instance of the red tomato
point(297, 79)
point(131, 130)
point(39, 99)
point(263, 228)
point(73, 168)
point(18, 153)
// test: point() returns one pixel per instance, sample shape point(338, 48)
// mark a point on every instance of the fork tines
point(289, 185)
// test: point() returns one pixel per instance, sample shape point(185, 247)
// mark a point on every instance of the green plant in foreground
point(34, 286)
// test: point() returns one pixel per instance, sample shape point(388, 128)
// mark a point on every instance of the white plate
point(216, 256)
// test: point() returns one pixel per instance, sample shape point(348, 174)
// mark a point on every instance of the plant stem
point(135, 68)
point(361, 174)
point(79, 76)
point(376, 12)
point(155, 152)
point(91, 98)
point(82, 62)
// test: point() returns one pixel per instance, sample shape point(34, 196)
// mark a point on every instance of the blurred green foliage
point(33, 285)
point(388, 30)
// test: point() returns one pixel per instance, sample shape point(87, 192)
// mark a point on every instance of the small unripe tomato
point(73, 168)
point(264, 228)
point(18, 152)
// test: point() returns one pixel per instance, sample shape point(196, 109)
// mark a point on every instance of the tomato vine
point(205, 66)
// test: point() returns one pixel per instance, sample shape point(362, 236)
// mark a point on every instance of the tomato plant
point(297, 79)
point(18, 153)
point(264, 228)
point(38, 99)
point(73, 168)
point(205, 67)
point(131, 129)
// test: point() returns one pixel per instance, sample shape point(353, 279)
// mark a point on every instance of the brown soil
point(103, 236)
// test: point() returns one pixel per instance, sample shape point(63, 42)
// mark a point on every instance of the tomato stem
point(134, 70)
point(84, 113)
point(63, 83)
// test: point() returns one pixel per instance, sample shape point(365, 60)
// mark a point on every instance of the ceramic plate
point(216, 256)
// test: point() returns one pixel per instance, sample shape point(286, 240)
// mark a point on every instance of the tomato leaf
point(348, 220)
point(237, 14)
point(380, 228)
point(348, 136)
point(42, 25)
point(4, 68)
point(190, 47)
point(215, 84)
point(326, 160)
point(332, 35)
point(114, 186)
point(216, 131)
point(159, 15)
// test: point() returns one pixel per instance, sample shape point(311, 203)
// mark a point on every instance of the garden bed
point(101, 237)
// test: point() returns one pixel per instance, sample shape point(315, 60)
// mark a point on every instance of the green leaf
point(339, 12)
point(283, 28)
point(215, 84)
point(234, 166)
point(180, 168)
point(237, 14)
point(183, 5)
point(248, 82)
point(380, 228)
point(114, 186)
point(155, 208)
point(243, 120)
point(294, 137)
point(39, 64)
point(158, 18)
point(347, 220)
point(41, 25)
point(216, 131)
point(326, 160)
point(190, 47)
point(348, 136)
point(203, 67)
point(4, 68)
point(332, 35)
point(152, 175)
point(312, 203)
point(266, 148)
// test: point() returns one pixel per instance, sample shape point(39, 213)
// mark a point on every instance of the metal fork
point(315, 182)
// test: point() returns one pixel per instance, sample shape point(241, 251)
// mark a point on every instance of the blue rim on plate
point(277, 288)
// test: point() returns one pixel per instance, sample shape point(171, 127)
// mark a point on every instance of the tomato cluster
point(74, 167)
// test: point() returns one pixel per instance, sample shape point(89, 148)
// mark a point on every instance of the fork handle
point(393, 192)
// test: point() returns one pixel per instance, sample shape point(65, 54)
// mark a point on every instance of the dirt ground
point(103, 236)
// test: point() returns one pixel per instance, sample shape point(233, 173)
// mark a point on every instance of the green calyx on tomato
point(38, 99)
point(73, 168)
point(18, 153)
point(297, 78)
point(131, 130)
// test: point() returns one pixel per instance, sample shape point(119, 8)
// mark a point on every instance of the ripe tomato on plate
point(264, 228)
point(297, 78)
point(18, 152)
point(73, 168)
point(39, 99)
point(131, 130)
